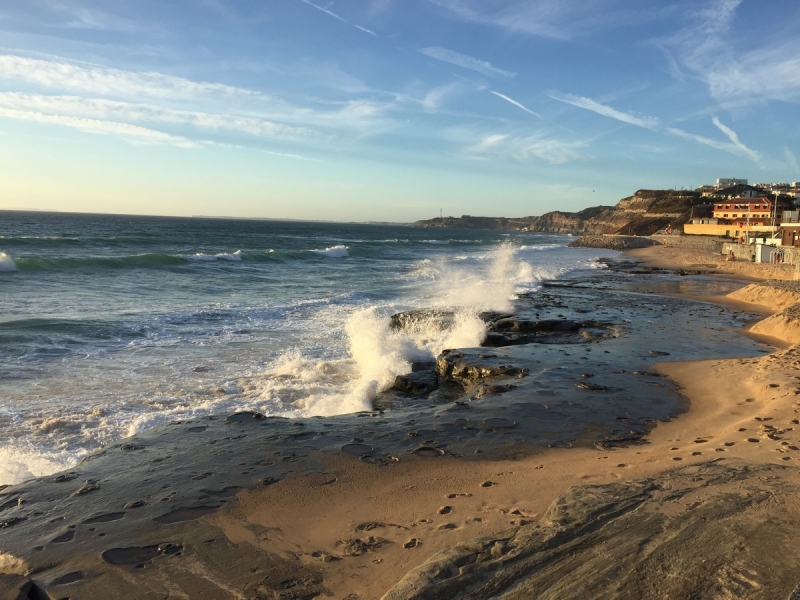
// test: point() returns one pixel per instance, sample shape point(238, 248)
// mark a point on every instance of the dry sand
point(744, 409)
point(682, 258)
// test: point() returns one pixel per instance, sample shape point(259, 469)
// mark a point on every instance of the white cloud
point(710, 48)
point(335, 16)
point(323, 9)
point(544, 18)
point(515, 103)
point(555, 19)
point(588, 104)
point(130, 132)
point(724, 146)
point(734, 138)
point(524, 148)
point(467, 62)
point(124, 111)
point(106, 81)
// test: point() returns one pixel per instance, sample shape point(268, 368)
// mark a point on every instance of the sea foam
point(7, 263)
point(334, 251)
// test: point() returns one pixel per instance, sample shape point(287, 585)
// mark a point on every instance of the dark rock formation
point(612, 242)
point(652, 539)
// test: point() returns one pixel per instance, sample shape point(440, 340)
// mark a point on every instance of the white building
point(723, 182)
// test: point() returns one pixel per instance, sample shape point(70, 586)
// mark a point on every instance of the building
point(723, 182)
point(739, 190)
point(741, 217)
point(752, 211)
point(790, 228)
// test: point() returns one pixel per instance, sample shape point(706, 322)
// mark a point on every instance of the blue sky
point(389, 109)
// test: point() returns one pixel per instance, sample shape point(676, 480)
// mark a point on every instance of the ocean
point(112, 325)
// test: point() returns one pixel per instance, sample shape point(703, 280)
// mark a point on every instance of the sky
point(389, 110)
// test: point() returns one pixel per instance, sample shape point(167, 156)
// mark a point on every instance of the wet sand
point(332, 525)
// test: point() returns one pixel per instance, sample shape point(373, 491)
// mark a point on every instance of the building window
point(725, 215)
point(734, 215)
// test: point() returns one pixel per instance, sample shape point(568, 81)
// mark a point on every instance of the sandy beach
point(350, 529)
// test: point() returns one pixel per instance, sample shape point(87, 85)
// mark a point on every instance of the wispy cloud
point(538, 18)
point(369, 31)
point(734, 65)
point(130, 132)
point(155, 101)
point(733, 146)
point(554, 19)
point(340, 18)
point(607, 111)
point(523, 148)
point(435, 97)
point(734, 138)
point(515, 103)
point(467, 62)
point(113, 82)
point(95, 108)
point(729, 147)
point(323, 9)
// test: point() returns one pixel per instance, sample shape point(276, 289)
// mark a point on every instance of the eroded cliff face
point(644, 213)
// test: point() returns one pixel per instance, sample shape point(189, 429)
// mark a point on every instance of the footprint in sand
point(445, 510)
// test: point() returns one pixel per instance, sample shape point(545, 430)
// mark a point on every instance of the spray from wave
point(378, 353)
point(334, 252)
point(7, 263)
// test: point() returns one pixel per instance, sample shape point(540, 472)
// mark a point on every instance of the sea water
point(111, 325)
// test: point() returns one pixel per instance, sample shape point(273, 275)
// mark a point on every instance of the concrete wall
point(791, 255)
point(740, 251)
point(695, 242)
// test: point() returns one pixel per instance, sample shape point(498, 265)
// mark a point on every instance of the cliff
point(644, 213)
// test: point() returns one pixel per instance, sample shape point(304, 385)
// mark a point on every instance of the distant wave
point(235, 257)
point(49, 241)
point(119, 262)
point(160, 260)
point(334, 252)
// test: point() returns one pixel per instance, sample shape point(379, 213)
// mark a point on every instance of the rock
point(18, 587)
point(416, 384)
point(612, 242)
